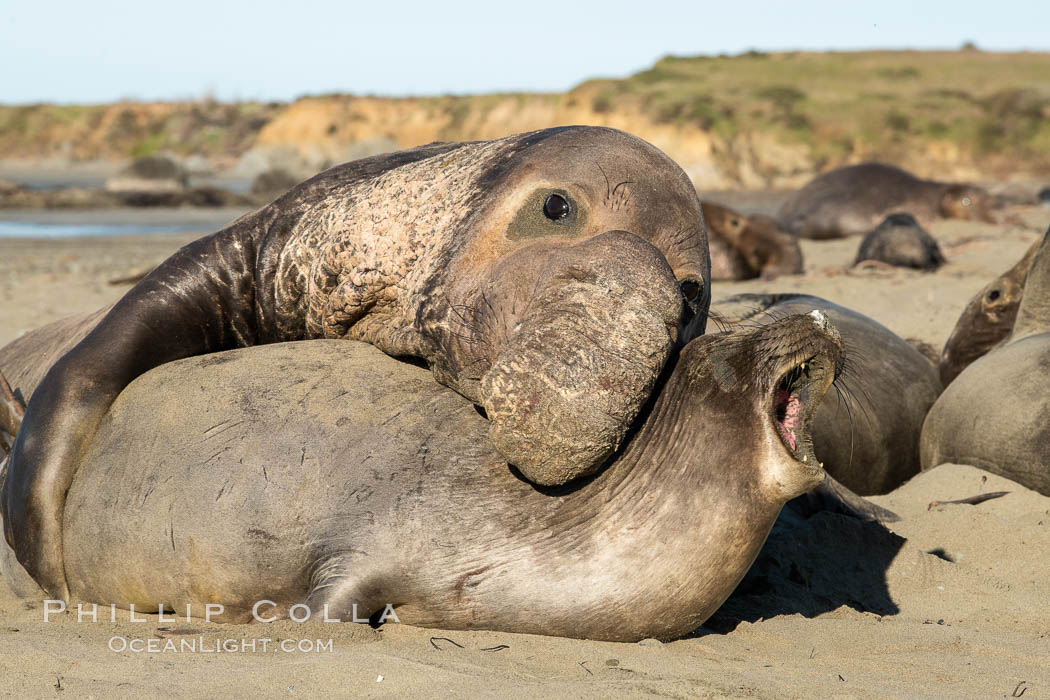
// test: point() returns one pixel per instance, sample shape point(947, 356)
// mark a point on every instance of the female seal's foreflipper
point(473, 257)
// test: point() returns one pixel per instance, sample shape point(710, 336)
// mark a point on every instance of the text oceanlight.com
point(200, 645)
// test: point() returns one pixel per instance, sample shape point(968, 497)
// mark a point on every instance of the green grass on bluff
point(984, 102)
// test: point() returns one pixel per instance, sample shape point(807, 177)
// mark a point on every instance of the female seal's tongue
point(789, 416)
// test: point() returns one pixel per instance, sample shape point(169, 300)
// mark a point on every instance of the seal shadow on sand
point(813, 566)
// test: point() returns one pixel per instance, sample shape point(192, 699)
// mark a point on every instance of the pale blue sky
point(104, 50)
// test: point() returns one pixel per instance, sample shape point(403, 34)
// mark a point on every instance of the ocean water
point(37, 229)
point(73, 223)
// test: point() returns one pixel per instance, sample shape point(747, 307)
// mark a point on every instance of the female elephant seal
point(987, 320)
point(900, 241)
point(746, 247)
point(499, 263)
point(995, 414)
point(866, 432)
point(325, 473)
point(854, 199)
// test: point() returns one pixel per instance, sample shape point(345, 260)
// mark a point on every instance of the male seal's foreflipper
point(472, 257)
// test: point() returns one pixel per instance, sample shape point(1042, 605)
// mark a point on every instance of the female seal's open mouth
point(795, 397)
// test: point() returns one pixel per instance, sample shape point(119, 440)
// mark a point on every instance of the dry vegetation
point(754, 120)
point(837, 103)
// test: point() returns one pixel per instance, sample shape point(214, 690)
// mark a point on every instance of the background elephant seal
point(511, 267)
point(900, 241)
point(323, 473)
point(746, 247)
point(854, 199)
point(987, 320)
point(866, 432)
point(996, 414)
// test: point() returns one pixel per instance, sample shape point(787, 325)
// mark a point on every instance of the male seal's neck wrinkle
point(333, 270)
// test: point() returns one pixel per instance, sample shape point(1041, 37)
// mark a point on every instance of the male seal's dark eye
point(555, 207)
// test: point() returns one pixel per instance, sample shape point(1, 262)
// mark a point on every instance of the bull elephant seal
point(995, 414)
point(746, 247)
point(987, 320)
point(866, 432)
point(325, 473)
point(854, 199)
point(501, 264)
point(900, 241)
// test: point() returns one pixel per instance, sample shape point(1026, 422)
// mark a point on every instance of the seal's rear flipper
point(836, 498)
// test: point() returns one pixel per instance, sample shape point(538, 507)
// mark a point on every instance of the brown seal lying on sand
point(987, 320)
point(745, 247)
point(900, 241)
point(540, 275)
point(996, 413)
point(866, 432)
point(854, 199)
point(325, 474)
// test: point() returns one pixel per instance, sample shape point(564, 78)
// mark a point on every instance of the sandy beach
point(952, 601)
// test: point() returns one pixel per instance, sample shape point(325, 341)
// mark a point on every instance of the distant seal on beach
point(900, 241)
point(324, 473)
point(852, 200)
point(866, 432)
point(746, 247)
point(987, 320)
point(996, 413)
point(546, 276)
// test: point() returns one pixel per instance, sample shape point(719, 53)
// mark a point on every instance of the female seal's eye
point(555, 207)
point(966, 201)
point(993, 295)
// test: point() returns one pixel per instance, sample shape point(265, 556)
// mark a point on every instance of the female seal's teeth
point(805, 458)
